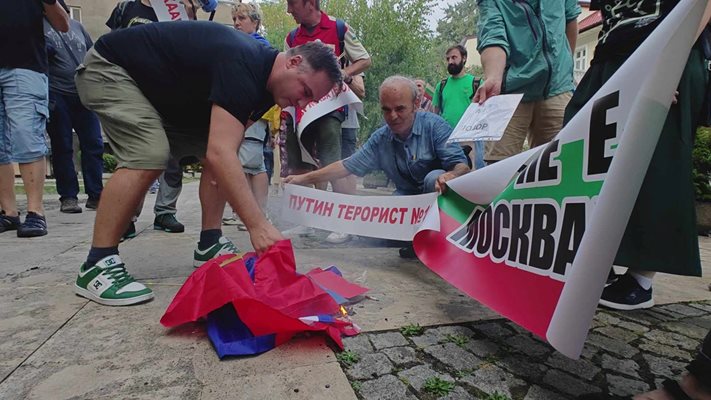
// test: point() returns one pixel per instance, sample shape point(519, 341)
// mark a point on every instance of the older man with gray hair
point(411, 148)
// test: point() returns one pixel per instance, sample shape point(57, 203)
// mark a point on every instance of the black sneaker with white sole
point(626, 294)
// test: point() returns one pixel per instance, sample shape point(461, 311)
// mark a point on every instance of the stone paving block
point(606, 319)
point(494, 330)
point(517, 328)
point(440, 335)
point(538, 393)
point(388, 339)
point(702, 306)
point(482, 348)
point(613, 346)
point(387, 387)
point(664, 367)
point(458, 394)
point(662, 315)
point(687, 329)
point(622, 386)
point(627, 367)
point(453, 356)
point(528, 346)
point(370, 366)
point(704, 323)
point(617, 333)
point(490, 378)
point(401, 355)
point(417, 376)
point(663, 350)
point(672, 339)
point(632, 327)
point(683, 310)
point(523, 367)
point(359, 344)
point(568, 384)
point(581, 368)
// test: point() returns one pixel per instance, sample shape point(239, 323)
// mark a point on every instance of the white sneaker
point(338, 238)
point(299, 231)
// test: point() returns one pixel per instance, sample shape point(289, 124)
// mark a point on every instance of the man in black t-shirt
point(23, 107)
point(128, 13)
point(134, 79)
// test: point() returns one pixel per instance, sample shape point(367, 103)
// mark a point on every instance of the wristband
point(49, 2)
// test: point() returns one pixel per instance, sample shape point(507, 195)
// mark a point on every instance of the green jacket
point(539, 63)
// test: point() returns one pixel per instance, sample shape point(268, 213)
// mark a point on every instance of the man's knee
point(428, 186)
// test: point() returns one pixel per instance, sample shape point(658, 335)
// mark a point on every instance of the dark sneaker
point(92, 204)
point(34, 225)
point(110, 284)
point(612, 277)
point(130, 232)
point(626, 294)
point(8, 223)
point(222, 247)
point(168, 223)
point(69, 206)
point(408, 252)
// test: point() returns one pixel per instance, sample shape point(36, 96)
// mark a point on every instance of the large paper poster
point(316, 109)
point(534, 236)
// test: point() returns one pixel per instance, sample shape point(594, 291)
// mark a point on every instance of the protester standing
point(24, 101)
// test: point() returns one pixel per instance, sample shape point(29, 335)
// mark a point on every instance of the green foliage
point(460, 20)
point(356, 386)
point(462, 373)
point(412, 330)
point(459, 340)
point(277, 23)
point(348, 357)
point(497, 396)
point(109, 162)
point(701, 160)
point(438, 387)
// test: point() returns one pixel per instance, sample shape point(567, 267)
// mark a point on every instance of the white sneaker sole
point(627, 307)
point(109, 302)
point(198, 263)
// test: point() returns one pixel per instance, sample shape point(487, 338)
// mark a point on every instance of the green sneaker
point(109, 283)
point(222, 247)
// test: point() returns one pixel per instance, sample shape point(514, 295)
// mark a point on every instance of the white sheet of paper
point(486, 122)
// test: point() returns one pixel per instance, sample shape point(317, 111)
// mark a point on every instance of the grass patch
point(497, 396)
point(356, 386)
point(438, 387)
point(462, 373)
point(412, 330)
point(459, 340)
point(348, 357)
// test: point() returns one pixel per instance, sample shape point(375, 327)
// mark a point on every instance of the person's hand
point(440, 184)
point(490, 88)
point(264, 236)
point(295, 180)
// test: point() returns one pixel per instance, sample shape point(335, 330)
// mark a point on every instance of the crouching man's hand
point(296, 180)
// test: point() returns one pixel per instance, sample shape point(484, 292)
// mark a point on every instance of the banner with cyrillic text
point(169, 10)
point(534, 236)
point(386, 217)
point(330, 102)
point(486, 122)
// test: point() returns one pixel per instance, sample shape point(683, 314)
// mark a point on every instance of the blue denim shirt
point(406, 162)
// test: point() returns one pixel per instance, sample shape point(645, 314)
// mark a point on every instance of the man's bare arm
point(329, 173)
point(571, 32)
point(493, 60)
point(57, 17)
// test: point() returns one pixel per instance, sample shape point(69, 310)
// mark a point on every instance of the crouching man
point(411, 148)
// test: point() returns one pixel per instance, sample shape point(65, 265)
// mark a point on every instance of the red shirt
point(326, 31)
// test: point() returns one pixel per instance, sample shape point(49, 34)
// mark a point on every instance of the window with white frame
point(581, 59)
point(75, 13)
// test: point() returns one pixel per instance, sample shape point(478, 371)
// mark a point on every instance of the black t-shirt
point(130, 13)
point(22, 35)
point(184, 67)
point(626, 24)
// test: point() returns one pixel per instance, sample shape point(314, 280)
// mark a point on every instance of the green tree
point(277, 22)
point(460, 20)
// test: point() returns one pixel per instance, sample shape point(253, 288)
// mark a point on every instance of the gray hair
point(320, 58)
point(399, 79)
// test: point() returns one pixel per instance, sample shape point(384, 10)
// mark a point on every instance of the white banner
point(387, 217)
point(317, 109)
point(486, 122)
point(169, 10)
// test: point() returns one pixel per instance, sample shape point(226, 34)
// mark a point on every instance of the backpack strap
point(341, 29)
point(440, 97)
point(291, 37)
point(475, 87)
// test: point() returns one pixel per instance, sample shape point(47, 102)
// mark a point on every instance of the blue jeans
point(23, 115)
point(67, 113)
point(479, 152)
point(428, 185)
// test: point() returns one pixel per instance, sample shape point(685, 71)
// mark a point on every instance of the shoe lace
point(118, 275)
point(170, 219)
point(230, 246)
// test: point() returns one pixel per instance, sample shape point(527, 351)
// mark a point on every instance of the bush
point(109, 162)
point(701, 161)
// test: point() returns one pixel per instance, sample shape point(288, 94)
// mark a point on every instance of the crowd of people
point(131, 85)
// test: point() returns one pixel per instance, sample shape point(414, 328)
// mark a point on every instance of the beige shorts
point(132, 125)
point(539, 121)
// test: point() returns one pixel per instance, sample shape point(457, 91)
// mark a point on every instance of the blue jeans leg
point(86, 125)
point(479, 152)
point(59, 128)
point(428, 186)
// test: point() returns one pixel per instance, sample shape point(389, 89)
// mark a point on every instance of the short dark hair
point(462, 50)
point(319, 57)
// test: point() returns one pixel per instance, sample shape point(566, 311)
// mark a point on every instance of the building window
point(75, 13)
point(581, 59)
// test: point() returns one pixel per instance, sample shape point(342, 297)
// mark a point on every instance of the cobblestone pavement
point(626, 353)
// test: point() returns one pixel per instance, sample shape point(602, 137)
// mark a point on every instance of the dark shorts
point(348, 142)
point(322, 135)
